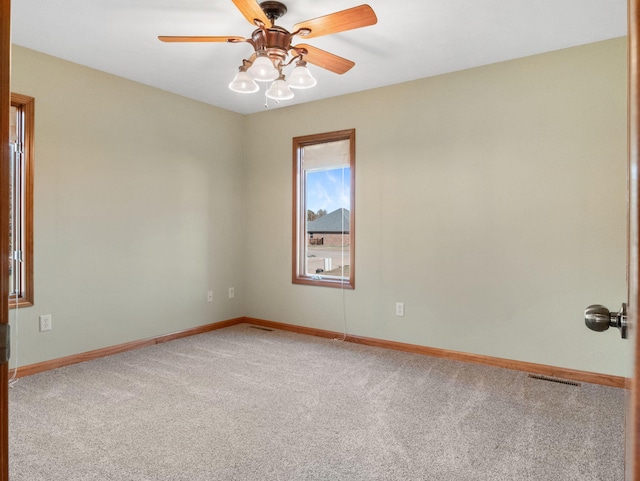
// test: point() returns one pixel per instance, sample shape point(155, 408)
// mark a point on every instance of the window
point(21, 203)
point(324, 209)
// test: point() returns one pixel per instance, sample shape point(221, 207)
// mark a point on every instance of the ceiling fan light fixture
point(243, 83)
point(274, 51)
point(262, 69)
point(301, 77)
point(280, 90)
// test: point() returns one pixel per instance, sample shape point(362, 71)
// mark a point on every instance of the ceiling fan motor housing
point(276, 41)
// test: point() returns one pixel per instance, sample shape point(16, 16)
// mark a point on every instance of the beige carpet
point(247, 404)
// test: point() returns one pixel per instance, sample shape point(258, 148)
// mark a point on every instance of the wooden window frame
point(300, 211)
point(26, 296)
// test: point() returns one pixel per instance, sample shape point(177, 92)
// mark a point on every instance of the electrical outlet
point(400, 309)
point(210, 296)
point(232, 293)
point(45, 322)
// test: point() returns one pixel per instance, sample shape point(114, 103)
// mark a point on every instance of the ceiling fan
point(273, 50)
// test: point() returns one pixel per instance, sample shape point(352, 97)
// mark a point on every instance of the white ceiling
point(412, 39)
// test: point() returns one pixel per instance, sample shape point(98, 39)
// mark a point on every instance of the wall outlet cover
point(45, 322)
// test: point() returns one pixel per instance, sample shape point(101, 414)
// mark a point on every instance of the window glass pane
point(327, 203)
point(16, 140)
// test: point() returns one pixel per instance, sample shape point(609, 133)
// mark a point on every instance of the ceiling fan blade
point(252, 11)
point(165, 38)
point(349, 19)
point(324, 59)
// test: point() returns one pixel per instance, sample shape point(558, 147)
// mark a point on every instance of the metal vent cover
point(261, 328)
point(553, 379)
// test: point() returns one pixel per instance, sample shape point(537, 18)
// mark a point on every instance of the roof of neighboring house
point(337, 222)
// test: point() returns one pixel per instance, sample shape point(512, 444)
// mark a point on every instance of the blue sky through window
point(328, 189)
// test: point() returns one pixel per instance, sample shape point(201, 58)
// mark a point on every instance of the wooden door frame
point(633, 422)
point(5, 94)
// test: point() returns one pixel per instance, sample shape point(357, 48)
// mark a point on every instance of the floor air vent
point(553, 379)
point(261, 328)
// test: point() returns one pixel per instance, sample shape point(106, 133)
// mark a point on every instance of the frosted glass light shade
point(301, 78)
point(262, 69)
point(279, 90)
point(243, 83)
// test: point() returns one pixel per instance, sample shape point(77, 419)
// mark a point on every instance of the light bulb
point(279, 90)
point(262, 69)
point(301, 78)
point(243, 83)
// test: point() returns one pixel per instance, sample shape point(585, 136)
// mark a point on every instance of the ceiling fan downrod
point(273, 10)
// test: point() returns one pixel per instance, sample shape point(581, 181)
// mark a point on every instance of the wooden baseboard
point(128, 346)
point(558, 372)
point(533, 368)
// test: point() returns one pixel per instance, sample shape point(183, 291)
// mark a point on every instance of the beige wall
point(138, 209)
point(495, 196)
point(490, 201)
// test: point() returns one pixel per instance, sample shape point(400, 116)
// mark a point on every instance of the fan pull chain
point(266, 101)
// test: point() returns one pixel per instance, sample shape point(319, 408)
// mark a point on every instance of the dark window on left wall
point(21, 203)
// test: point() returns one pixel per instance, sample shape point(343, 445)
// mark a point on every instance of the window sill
point(324, 282)
point(21, 303)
